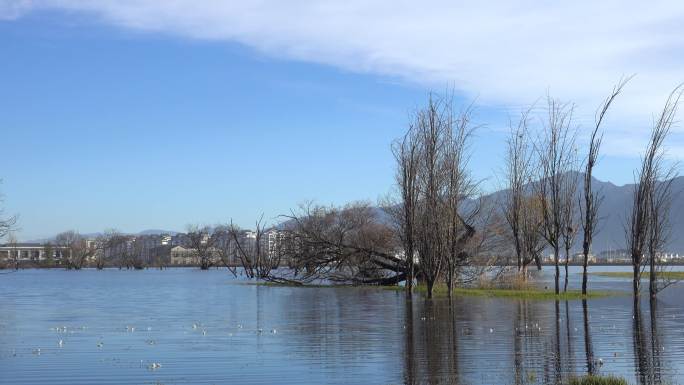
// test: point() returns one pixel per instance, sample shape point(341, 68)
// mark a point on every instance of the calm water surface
point(206, 328)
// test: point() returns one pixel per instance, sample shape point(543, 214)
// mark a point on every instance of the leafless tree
point(521, 211)
point(14, 253)
point(226, 249)
point(646, 229)
point(341, 245)
point(202, 240)
point(406, 153)
point(77, 249)
point(569, 216)
point(555, 151)
point(591, 202)
point(531, 239)
point(660, 200)
point(7, 224)
point(252, 250)
point(460, 188)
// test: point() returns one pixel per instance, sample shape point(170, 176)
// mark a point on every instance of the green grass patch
point(527, 292)
point(645, 275)
point(597, 380)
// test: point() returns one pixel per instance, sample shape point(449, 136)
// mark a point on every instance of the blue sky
point(108, 122)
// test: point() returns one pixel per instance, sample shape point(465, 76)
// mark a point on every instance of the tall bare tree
point(459, 188)
point(556, 156)
point(406, 153)
point(432, 124)
point(520, 209)
point(569, 215)
point(647, 222)
point(591, 202)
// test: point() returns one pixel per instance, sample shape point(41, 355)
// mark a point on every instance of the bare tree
point(202, 244)
point(77, 250)
point(591, 199)
point(569, 216)
point(459, 188)
point(7, 224)
point(406, 154)
point(432, 124)
point(660, 200)
point(347, 245)
point(14, 253)
point(252, 250)
point(531, 239)
point(647, 222)
point(555, 151)
point(522, 212)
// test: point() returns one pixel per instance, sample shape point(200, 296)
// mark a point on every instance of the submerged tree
point(591, 200)
point(77, 250)
point(7, 224)
point(520, 209)
point(556, 158)
point(569, 218)
point(646, 229)
point(201, 242)
point(406, 153)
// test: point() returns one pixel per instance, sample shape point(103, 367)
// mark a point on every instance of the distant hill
point(157, 232)
point(95, 235)
point(614, 211)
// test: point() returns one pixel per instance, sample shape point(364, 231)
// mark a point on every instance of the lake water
point(203, 327)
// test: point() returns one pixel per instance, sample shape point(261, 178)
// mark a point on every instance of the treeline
point(437, 228)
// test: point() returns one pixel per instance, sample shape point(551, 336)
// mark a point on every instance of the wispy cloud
point(504, 52)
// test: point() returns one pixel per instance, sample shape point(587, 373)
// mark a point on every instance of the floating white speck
point(274, 331)
point(60, 343)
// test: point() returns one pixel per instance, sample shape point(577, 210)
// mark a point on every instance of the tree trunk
point(652, 280)
point(430, 284)
point(409, 274)
point(636, 281)
point(567, 262)
point(557, 276)
point(584, 275)
point(585, 263)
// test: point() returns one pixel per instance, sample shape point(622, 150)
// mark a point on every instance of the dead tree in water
point(646, 229)
point(591, 201)
point(252, 250)
point(77, 250)
point(569, 215)
point(460, 188)
point(443, 229)
point(347, 245)
point(7, 224)
point(555, 152)
point(201, 242)
point(406, 153)
point(520, 209)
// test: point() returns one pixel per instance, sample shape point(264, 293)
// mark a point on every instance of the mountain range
point(613, 214)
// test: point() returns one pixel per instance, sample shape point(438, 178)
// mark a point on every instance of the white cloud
point(506, 53)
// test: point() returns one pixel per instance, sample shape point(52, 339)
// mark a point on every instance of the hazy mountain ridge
point(613, 214)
